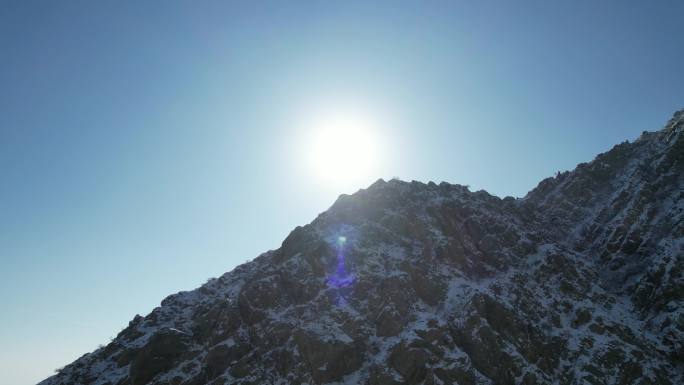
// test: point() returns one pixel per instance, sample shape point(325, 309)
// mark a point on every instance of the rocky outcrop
point(580, 282)
point(163, 351)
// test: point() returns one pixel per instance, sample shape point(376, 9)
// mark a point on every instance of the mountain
point(579, 282)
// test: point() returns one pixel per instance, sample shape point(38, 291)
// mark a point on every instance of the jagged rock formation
point(580, 282)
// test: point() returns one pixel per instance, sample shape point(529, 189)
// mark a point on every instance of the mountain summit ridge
point(580, 281)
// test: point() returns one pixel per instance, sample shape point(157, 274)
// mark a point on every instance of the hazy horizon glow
point(145, 147)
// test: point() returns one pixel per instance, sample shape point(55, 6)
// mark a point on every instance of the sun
point(343, 147)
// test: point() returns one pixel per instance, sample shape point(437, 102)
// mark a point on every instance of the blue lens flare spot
point(340, 278)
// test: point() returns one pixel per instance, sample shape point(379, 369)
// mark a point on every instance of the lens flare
point(340, 279)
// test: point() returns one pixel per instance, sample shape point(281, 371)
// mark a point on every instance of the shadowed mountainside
point(579, 282)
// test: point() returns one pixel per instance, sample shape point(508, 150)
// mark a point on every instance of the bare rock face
point(329, 359)
point(580, 282)
point(410, 363)
point(162, 352)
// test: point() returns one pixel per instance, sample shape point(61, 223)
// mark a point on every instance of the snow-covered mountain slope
point(580, 282)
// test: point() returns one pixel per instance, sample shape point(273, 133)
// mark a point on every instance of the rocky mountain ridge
point(579, 282)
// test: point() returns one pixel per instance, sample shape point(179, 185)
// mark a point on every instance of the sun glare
point(343, 147)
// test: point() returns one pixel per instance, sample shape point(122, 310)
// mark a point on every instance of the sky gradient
point(147, 147)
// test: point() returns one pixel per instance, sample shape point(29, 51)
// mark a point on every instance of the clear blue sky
point(147, 147)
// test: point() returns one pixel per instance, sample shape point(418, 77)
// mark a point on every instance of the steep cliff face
point(625, 211)
point(579, 282)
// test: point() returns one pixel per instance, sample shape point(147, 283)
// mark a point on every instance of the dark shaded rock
point(125, 356)
point(428, 287)
point(220, 357)
point(486, 351)
point(410, 363)
point(582, 316)
point(163, 351)
point(388, 323)
point(328, 360)
point(259, 295)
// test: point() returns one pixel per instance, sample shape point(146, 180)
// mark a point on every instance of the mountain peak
point(581, 281)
